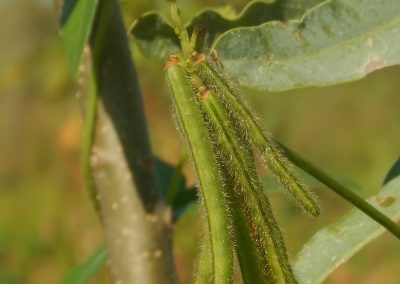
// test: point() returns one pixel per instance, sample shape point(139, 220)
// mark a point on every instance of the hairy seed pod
point(246, 123)
point(193, 130)
point(250, 205)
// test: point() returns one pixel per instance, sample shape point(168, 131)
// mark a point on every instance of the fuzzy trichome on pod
point(220, 132)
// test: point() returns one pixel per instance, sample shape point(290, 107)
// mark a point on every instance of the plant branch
point(135, 219)
point(341, 190)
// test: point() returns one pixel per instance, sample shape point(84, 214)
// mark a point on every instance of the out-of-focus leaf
point(83, 273)
point(294, 9)
point(393, 172)
point(337, 41)
point(156, 38)
point(187, 200)
point(255, 13)
point(336, 243)
point(170, 178)
point(183, 201)
point(76, 24)
point(172, 183)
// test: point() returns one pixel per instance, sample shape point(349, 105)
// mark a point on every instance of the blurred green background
point(47, 223)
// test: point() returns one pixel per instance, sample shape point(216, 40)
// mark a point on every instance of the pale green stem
point(180, 29)
point(341, 190)
point(90, 120)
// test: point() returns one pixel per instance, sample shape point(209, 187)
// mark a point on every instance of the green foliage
point(76, 24)
point(336, 243)
point(393, 172)
point(40, 126)
point(269, 46)
point(342, 191)
point(155, 37)
point(83, 273)
point(172, 185)
point(335, 42)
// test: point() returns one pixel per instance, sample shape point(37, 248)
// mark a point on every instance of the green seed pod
point(256, 227)
point(246, 124)
point(191, 124)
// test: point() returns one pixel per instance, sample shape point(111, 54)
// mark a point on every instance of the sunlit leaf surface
point(335, 244)
point(156, 39)
point(337, 41)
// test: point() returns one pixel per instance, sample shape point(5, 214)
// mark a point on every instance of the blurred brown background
point(47, 223)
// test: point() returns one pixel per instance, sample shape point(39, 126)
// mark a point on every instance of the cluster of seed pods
point(222, 136)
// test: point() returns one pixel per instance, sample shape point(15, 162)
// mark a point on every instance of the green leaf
point(170, 180)
point(83, 273)
point(294, 9)
point(76, 24)
point(336, 243)
point(393, 172)
point(173, 190)
point(184, 198)
point(336, 41)
point(255, 13)
point(156, 38)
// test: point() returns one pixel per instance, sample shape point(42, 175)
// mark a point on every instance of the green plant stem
point(90, 121)
point(341, 190)
point(180, 29)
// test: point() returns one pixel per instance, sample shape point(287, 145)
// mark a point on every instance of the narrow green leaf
point(76, 24)
point(393, 172)
point(335, 244)
point(155, 37)
point(337, 41)
point(83, 273)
